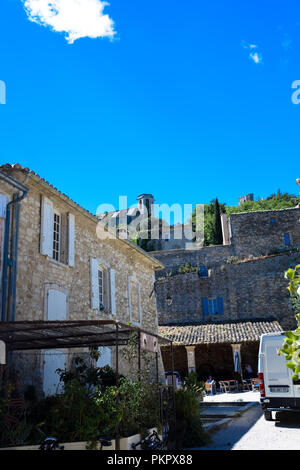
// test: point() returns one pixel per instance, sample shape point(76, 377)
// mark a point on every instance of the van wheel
point(268, 415)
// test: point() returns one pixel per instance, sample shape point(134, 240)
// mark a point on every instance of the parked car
point(278, 391)
point(177, 378)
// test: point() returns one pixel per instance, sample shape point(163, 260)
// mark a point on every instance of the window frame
point(57, 250)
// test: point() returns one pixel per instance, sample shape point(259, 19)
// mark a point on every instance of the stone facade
point(247, 274)
point(254, 289)
point(66, 279)
point(265, 232)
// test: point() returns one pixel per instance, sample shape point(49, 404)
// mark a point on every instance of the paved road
point(252, 432)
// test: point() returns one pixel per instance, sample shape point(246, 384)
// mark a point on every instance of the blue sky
point(173, 104)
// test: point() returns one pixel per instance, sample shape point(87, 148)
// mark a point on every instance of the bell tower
point(145, 204)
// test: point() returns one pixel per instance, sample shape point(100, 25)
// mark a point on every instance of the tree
point(212, 222)
point(274, 201)
point(218, 236)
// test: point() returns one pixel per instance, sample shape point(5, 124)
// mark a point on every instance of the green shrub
point(189, 428)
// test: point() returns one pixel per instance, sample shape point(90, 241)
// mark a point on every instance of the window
point(57, 233)
point(212, 306)
point(287, 240)
point(56, 237)
point(102, 287)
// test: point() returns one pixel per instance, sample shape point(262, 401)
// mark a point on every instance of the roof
point(36, 335)
point(235, 332)
point(8, 168)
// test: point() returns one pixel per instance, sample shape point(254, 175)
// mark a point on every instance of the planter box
point(125, 444)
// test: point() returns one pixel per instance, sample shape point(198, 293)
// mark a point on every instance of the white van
point(278, 392)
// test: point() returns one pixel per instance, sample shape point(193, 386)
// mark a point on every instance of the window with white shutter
point(102, 287)
point(57, 233)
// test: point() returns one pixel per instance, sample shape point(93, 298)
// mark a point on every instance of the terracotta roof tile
point(235, 332)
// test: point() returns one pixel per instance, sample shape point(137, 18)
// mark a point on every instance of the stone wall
point(209, 256)
point(253, 289)
point(262, 232)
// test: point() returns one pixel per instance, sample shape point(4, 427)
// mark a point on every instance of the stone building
point(235, 287)
point(69, 269)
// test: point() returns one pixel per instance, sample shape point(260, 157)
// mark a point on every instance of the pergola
point(38, 335)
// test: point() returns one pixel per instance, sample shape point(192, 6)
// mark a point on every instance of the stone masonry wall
point(253, 289)
point(262, 232)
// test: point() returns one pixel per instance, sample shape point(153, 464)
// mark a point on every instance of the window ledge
point(59, 263)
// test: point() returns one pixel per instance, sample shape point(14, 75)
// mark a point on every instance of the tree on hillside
point(272, 202)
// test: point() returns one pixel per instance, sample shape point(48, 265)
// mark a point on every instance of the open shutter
point(205, 306)
point(94, 283)
point(47, 224)
point(112, 292)
point(220, 306)
point(3, 204)
point(71, 239)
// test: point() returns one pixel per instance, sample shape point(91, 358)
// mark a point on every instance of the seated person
point(210, 385)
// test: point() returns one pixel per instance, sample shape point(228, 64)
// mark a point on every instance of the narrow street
point(251, 431)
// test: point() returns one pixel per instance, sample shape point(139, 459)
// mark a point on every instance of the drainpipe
point(10, 259)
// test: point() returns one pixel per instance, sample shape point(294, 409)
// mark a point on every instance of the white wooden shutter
point(3, 204)
point(57, 305)
point(47, 227)
point(112, 292)
point(53, 360)
point(94, 283)
point(71, 239)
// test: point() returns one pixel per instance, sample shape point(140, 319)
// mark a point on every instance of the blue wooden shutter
point(205, 306)
point(203, 271)
point(287, 239)
point(220, 306)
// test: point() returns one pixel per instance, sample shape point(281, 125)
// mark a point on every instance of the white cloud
point(76, 18)
point(253, 54)
point(256, 57)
